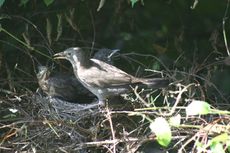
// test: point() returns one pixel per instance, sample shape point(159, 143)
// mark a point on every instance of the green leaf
point(23, 2)
point(163, 132)
point(48, 2)
point(217, 148)
point(101, 4)
point(197, 107)
point(48, 30)
point(2, 2)
point(220, 138)
point(59, 27)
point(217, 143)
point(200, 146)
point(133, 2)
point(8, 116)
point(175, 120)
point(156, 66)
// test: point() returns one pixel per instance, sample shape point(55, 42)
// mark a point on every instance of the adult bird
point(66, 87)
point(102, 79)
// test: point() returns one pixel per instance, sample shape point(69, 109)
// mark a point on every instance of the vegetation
point(186, 41)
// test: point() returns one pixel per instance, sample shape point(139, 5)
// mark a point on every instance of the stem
point(23, 43)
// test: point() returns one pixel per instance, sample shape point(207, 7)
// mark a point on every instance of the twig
point(108, 116)
point(139, 97)
point(224, 33)
point(179, 98)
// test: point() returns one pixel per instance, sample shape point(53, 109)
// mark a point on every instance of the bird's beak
point(59, 55)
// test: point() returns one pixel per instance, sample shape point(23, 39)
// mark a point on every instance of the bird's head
point(43, 73)
point(69, 53)
point(105, 55)
point(74, 54)
point(42, 70)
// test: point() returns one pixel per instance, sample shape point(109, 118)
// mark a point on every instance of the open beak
point(59, 55)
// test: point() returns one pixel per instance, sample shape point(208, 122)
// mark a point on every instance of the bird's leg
point(102, 101)
point(90, 106)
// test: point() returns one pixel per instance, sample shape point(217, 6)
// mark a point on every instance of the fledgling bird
point(62, 86)
point(105, 55)
point(102, 79)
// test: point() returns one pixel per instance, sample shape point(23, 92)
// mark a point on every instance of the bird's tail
point(156, 82)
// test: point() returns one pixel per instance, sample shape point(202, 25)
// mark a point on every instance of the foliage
point(24, 2)
point(186, 41)
point(163, 132)
point(1, 2)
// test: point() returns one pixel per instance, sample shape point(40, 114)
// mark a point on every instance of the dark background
point(183, 39)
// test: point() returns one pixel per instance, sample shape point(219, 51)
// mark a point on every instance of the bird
point(105, 55)
point(66, 87)
point(102, 79)
point(63, 86)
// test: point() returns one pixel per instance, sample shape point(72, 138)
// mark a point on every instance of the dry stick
point(105, 142)
point(186, 143)
point(224, 33)
point(26, 52)
point(9, 78)
point(138, 96)
point(5, 148)
point(178, 99)
point(210, 83)
point(51, 127)
point(94, 31)
point(145, 55)
point(111, 126)
point(22, 42)
point(36, 28)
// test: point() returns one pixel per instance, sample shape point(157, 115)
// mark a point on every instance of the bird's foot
point(101, 103)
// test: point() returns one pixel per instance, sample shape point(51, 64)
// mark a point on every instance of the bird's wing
point(104, 75)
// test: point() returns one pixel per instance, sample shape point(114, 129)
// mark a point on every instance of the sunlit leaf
point(1, 2)
point(162, 130)
point(48, 30)
point(133, 2)
point(27, 40)
point(13, 110)
point(228, 145)
point(23, 2)
point(175, 120)
point(217, 148)
point(59, 27)
point(197, 107)
point(220, 138)
point(70, 19)
point(200, 146)
point(101, 4)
